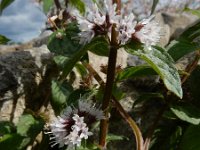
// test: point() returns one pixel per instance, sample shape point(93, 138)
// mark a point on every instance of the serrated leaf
point(4, 4)
point(191, 138)
point(163, 64)
point(60, 94)
point(63, 42)
point(3, 39)
point(136, 71)
point(99, 46)
point(186, 112)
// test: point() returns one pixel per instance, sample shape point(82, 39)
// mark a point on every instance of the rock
point(178, 22)
point(25, 81)
point(98, 61)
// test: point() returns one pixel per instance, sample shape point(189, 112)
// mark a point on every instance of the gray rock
point(178, 22)
point(25, 80)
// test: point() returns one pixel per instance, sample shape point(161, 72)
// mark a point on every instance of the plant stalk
point(109, 81)
point(123, 113)
point(108, 88)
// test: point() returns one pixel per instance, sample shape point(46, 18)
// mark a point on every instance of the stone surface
point(23, 74)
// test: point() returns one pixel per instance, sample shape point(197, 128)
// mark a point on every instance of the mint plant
point(104, 27)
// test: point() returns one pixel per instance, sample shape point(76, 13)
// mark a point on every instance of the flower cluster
point(100, 20)
point(70, 128)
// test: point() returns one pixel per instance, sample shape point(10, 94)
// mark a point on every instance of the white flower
point(126, 27)
point(148, 32)
point(91, 110)
point(110, 10)
point(73, 138)
point(72, 126)
point(95, 21)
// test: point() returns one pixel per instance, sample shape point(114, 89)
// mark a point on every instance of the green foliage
point(113, 137)
point(191, 138)
point(27, 130)
point(136, 71)
point(99, 46)
point(194, 84)
point(60, 94)
point(148, 96)
point(193, 11)
point(186, 112)
point(6, 127)
point(47, 4)
point(4, 4)
point(63, 42)
point(155, 2)
point(81, 69)
point(163, 64)
point(167, 137)
point(3, 39)
point(78, 4)
point(186, 43)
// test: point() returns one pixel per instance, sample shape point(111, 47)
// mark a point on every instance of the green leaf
point(136, 71)
point(29, 126)
point(155, 2)
point(191, 138)
point(81, 69)
point(11, 142)
point(186, 43)
point(60, 94)
point(99, 46)
point(186, 112)
point(178, 49)
point(70, 62)
point(148, 96)
point(47, 4)
point(3, 39)
point(75, 96)
point(79, 5)
point(163, 64)
point(117, 92)
point(60, 61)
point(113, 137)
point(6, 127)
point(4, 4)
point(166, 137)
point(64, 42)
point(193, 11)
point(194, 84)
